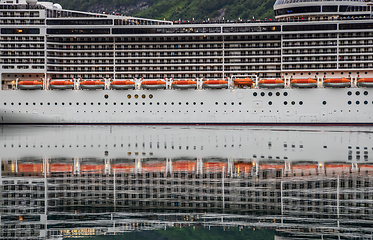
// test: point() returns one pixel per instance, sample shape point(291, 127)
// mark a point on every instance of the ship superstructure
point(326, 43)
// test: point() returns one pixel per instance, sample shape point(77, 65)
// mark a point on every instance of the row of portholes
point(135, 96)
point(269, 94)
point(349, 93)
point(286, 103)
point(358, 102)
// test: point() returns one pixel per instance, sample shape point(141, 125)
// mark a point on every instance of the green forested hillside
point(177, 9)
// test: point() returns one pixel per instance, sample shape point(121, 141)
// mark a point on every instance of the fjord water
point(189, 182)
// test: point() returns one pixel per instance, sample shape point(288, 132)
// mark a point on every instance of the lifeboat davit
point(92, 84)
point(184, 84)
point(153, 84)
point(303, 83)
point(243, 82)
point(30, 85)
point(62, 85)
point(337, 83)
point(215, 84)
point(365, 82)
point(122, 85)
point(271, 83)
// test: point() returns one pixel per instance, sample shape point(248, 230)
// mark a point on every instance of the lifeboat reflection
point(242, 167)
point(61, 168)
point(184, 166)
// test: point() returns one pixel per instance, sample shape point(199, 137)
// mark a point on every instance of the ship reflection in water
point(93, 180)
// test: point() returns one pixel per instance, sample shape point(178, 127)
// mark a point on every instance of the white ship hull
point(226, 106)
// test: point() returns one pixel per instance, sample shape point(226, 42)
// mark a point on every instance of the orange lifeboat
point(243, 82)
point(153, 84)
point(92, 84)
point(271, 83)
point(365, 82)
point(30, 85)
point(337, 83)
point(122, 85)
point(215, 84)
point(303, 83)
point(184, 84)
point(61, 85)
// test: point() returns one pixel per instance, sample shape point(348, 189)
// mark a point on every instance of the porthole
point(365, 93)
point(262, 94)
point(106, 96)
point(201, 103)
point(136, 96)
point(143, 96)
point(5, 103)
point(76, 103)
point(121, 103)
point(349, 102)
point(98, 103)
point(150, 103)
point(255, 94)
point(91, 103)
point(150, 96)
point(157, 103)
point(106, 103)
point(63, 103)
point(323, 102)
point(277, 93)
point(225, 103)
point(129, 103)
point(187, 103)
point(136, 103)
point(69, 103)
point(216, 103)
point(54, 103)
point(115, 103)
point(365, 102)
point(27, 103)
point(292, 102)
point(270, 94)
point(194, 103)
point(285, 94)
point(349, 93)
point(83, 103)
point(165, 103)
point(300, 102)
point(240, 103)
point(179, 103)
point(129, 96)
point(232, 103)
point(357, 93)
point(357, 102)
point(270, 102)
point(13, 103)
point(172, 103)
point(50, 103)
point(285, 103)
point(19, 103)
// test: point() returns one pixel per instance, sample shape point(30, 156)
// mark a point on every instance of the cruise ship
point(310, 65)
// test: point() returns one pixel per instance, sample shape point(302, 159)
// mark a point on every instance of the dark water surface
point(186, 182)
